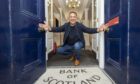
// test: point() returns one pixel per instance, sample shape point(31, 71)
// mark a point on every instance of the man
point(73, 40)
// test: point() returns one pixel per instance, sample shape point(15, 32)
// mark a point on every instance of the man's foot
point(77, 62)
point(71, 58)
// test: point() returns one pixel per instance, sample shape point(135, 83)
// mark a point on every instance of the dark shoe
point(71, 58)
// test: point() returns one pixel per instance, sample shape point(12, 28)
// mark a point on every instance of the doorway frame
point(48, 35)
point(100, 53)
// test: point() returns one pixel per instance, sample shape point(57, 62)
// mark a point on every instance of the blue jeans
point(71, 49)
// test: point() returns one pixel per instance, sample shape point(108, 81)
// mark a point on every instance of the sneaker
point(77, 62)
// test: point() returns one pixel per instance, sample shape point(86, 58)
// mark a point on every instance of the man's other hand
point(102, 28)
point(45, 26)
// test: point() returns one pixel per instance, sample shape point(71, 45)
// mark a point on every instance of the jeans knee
point(78, 46)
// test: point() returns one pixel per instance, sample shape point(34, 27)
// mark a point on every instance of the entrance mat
point(74, 75)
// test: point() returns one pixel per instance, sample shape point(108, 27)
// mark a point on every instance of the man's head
point(72, 17)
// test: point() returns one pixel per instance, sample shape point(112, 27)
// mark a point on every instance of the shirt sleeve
point(58, 29)
point(88, 30)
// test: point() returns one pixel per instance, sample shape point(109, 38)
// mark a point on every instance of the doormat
point(74, 75)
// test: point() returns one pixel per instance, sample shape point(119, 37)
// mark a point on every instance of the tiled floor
point(74, 75)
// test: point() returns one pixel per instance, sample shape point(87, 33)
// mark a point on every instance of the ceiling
point(61, 4)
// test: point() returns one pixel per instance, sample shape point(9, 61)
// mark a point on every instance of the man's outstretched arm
point(46, 27)
point(93, 30)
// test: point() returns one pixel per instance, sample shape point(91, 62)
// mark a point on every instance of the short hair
point(73, 12)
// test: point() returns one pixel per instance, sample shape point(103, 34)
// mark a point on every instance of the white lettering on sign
point(51, 80)
point(73, 71)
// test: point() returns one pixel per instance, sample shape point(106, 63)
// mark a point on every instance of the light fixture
point(73, 3)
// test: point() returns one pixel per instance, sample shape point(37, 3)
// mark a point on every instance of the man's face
point(72, 18)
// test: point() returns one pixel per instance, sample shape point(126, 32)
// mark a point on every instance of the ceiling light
point(73, 3)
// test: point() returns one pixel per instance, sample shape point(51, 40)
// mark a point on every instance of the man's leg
point(65, 50)
point(77, 49)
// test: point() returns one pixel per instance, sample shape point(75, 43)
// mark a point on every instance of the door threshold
point(82, 66)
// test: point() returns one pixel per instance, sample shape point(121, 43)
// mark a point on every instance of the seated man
point(73, 40)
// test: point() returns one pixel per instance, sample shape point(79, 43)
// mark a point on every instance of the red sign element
point(113, 22)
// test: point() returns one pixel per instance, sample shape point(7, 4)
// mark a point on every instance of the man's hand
point(102, 28)
point(45, 26)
